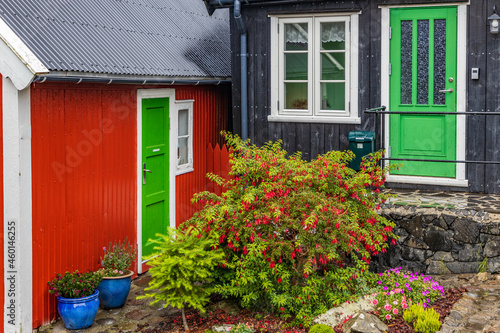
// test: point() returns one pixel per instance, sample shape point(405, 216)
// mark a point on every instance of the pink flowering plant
point(399, 289)
point(74, 285)
point(117, 258)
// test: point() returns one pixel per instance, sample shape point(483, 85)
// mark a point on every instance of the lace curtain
point(330, 32)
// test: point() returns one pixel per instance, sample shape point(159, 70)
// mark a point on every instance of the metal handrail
point(382, 111)
point(374, 111)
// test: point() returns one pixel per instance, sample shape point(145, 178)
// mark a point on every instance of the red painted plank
point(217, 166)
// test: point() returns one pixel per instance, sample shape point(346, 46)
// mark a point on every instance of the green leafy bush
point(180, 270)
point(321, 328)
point(400, 289)
point(74, 285)
point(286, 225)
point(422, 320)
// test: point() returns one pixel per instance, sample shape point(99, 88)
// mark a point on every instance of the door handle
point(144, 170)
point(447, 90)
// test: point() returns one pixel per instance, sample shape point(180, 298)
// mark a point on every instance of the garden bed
point(261, 322)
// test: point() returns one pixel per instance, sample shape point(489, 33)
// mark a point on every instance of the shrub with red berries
point(287, 225)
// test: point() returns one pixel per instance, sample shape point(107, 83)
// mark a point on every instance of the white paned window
point(184, 122)
point(314, 65)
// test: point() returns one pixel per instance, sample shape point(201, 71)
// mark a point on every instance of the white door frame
point(460, 179)
point(144, 94)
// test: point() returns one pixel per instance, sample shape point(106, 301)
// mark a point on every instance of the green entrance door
point(155, 169)
point(423, 67)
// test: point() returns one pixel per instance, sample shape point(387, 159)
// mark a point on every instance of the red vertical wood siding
point(218, 163)
point(1, 203)
point(84, 160)
point(84, 180)
point(210, 116)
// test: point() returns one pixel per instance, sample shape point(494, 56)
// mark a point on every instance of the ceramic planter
point(78, 313)
point(113, 291)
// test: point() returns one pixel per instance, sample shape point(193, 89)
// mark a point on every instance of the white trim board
point(460, 179)
point(17, 208)
point(17, 62)
point(186, 104)
point(144, 94)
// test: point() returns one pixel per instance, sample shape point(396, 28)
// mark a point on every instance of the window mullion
point(310, 68)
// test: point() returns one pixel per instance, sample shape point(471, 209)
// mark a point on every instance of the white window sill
point(183, 171)
point(311, 119)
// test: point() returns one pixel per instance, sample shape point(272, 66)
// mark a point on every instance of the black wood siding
point(483, 51)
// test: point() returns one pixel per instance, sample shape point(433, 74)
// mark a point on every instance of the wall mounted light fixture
point(494, 21)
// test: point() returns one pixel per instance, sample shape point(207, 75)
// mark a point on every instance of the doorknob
point(144, 170)
point(447, 90)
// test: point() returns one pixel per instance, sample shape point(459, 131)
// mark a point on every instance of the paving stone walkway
point(134, 315)
point(479, 309)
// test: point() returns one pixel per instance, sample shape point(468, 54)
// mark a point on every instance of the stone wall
point(436, 241)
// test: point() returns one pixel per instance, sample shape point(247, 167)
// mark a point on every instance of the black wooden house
point(305, 71)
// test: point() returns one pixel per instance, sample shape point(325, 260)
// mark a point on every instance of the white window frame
point(184, 105)
point(314, 114)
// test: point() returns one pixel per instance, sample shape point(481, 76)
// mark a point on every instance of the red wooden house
point(108, 111)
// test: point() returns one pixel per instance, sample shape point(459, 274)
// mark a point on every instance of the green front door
point(423, 67)
point(155, 169)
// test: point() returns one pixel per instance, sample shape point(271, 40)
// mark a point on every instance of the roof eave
point(17, 61)
point(212, 5)
point(79, 77)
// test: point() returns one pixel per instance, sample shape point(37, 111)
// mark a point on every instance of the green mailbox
point(361, 143)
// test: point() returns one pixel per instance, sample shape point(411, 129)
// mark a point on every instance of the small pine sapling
point(181, 269)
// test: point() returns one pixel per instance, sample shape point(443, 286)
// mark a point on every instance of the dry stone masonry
point(442, 241)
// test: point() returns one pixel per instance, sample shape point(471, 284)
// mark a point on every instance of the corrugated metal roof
point(135, 37)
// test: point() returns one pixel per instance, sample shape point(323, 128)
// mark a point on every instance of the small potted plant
point(78, 298)
point(116, 276)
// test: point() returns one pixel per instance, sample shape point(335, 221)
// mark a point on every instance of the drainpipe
point(212, 5)
point(243, 68)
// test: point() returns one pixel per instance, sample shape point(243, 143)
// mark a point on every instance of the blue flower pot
point(78, 313)
point(113, 291)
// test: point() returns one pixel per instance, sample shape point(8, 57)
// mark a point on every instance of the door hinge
point(390, 68)
point(278, 28)
point(389, 151)
point(349, 26)
point(390, 32)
